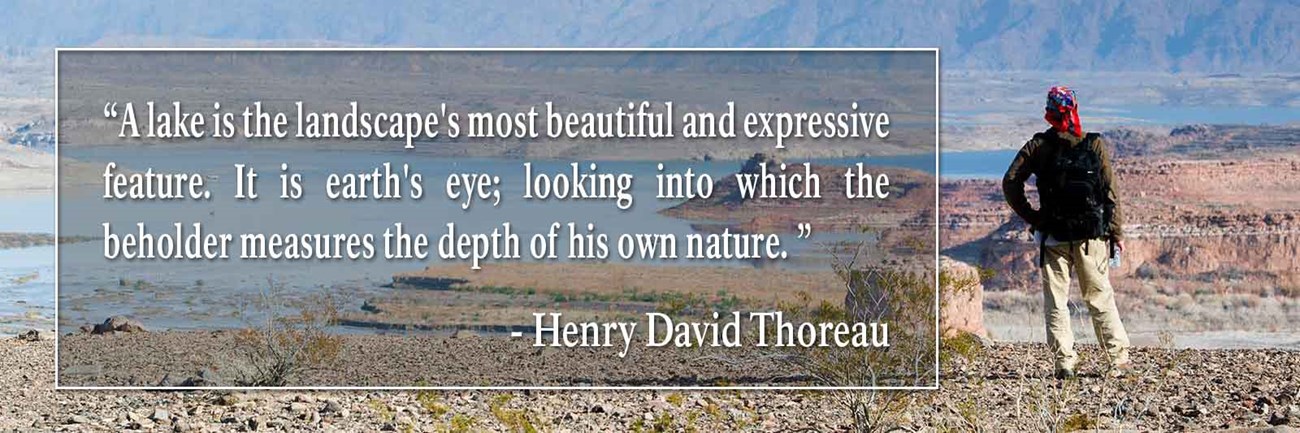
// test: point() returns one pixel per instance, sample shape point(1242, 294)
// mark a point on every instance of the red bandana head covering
point(1063, 111)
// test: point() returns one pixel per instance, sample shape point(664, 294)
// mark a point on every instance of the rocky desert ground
point(1001, 387)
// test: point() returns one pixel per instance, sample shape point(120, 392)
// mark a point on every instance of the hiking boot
point(1064, 374)
point(1121, 370)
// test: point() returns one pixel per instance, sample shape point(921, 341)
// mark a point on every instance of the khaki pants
point(1088, 260)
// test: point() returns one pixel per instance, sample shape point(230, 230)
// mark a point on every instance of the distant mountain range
point(1115, 35)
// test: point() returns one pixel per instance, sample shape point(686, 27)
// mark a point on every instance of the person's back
point(1076, 225)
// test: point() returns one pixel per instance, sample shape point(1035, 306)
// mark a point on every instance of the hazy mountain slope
point(1201, 36)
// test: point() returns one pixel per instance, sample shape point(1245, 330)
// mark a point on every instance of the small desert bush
point(1049, 405)
point(1149, 271)
point(283, 339)
point(514, 420)
point(964, 345)
point(381, 409)
point(693, 304)
point(431, 402)
point(460, 423)
point(883, 293)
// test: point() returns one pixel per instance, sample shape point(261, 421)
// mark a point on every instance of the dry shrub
point(884, 293)
point(283, 339)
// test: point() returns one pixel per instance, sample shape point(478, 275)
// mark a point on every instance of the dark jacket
point(1034, 155)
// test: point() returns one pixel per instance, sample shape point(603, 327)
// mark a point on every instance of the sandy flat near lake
point(24, 169)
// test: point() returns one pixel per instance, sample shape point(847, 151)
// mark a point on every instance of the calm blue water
point(26, 274)
point(26, 288)
point(27, 212)
point(989, 164)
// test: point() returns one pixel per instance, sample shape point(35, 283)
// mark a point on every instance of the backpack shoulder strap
point(1091, 138)
point(1048, 150)
point(1090, 143)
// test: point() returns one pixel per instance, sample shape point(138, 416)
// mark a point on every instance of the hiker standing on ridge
point(1078, 227)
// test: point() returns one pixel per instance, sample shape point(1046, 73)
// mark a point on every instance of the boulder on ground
point(117, 324)
point(31, 335)
point(961, 303)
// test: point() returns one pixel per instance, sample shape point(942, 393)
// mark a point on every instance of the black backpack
point(1074, 199)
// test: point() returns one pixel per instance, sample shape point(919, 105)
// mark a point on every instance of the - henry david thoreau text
point(767, 329)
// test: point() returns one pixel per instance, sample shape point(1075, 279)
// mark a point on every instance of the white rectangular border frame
point(935, 386)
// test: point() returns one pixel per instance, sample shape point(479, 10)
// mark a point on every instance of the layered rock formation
point(1187, 221)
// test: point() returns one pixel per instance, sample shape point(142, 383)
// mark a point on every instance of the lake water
point(27, 213)
point(26, 274)
point(26, 289)
point(989, 164)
